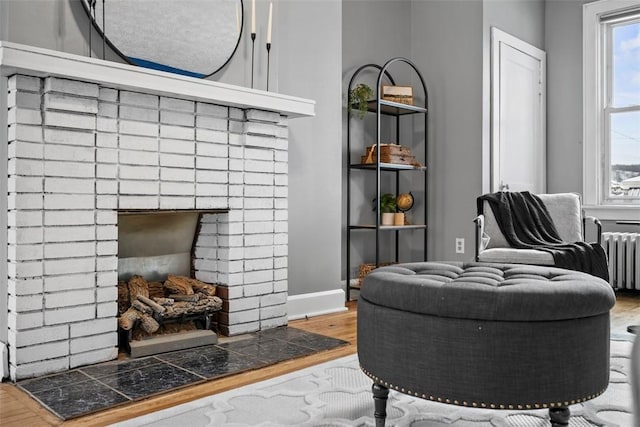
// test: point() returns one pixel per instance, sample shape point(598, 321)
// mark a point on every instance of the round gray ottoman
point(485, 335)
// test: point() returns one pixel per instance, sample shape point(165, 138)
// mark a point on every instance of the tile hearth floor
point(97, 387)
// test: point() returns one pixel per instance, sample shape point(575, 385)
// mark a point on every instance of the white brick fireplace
point(84, 140)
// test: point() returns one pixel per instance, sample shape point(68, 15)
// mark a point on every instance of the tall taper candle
point(269, 24)
point(253, 16)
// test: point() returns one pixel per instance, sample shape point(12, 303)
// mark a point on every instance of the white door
point(518, 109)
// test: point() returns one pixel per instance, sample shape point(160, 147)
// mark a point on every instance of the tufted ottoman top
point(501, 292)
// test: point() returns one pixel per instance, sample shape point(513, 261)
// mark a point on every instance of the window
point(611, 31)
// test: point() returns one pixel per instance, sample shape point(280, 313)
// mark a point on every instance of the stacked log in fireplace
point(148, 308)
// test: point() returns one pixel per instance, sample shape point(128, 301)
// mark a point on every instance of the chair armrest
point(479, 221)
point(598, 224)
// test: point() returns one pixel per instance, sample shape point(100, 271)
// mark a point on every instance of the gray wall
point(305, 61)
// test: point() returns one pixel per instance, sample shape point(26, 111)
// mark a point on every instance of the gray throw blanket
point(526, 224)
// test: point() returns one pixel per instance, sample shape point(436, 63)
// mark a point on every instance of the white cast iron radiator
point(623, 251)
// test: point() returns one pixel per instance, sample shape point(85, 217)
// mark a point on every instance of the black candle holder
point(268, 51)
point(253, 51)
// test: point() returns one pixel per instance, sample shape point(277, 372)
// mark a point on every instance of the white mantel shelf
point(34, 61)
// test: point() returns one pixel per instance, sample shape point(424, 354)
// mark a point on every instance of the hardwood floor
point(18, 409)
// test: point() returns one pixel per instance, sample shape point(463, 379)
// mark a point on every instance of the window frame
point(597, 114)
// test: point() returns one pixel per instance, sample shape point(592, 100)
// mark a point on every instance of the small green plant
point(387, 203)
point(359, 97)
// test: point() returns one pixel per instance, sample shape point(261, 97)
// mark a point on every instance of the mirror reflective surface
point(190, 37)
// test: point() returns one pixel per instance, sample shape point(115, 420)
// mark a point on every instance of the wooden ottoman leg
point(380, 394)
point(559, 416)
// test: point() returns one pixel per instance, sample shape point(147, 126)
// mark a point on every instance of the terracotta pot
point(387, 218)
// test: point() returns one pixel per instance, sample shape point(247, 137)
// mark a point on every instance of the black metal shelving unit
point(381, 107)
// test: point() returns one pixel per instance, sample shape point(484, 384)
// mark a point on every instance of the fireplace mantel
point(22, 59)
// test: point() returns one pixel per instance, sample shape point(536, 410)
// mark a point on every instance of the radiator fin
point(623, 251)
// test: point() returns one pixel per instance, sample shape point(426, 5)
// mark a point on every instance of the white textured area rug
point(336, 393)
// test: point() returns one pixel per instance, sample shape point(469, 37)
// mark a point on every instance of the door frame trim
point(497, 37)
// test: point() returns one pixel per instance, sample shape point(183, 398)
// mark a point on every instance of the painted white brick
point(69, 169)
point(139, 114)
point(137, 142)
point(79, 345)
point(69, 137)
point(69, 153)
point(213, 110)
point(69, 266)
point(258, 215)
point(244, 304)
point(90, 357)
point(177, 132)
point(258, 252)
point(38, 336)
point(22, 99)
point(212, 163)
point(231, 267)
point(24, 218)
point(205, 252)
point(40, 352)
point(25, 167)
point(258, 227)
point(106, 124)
point(209, 135)
point(281, 215)
point(237, 139)
point(176, 160)
point(106, 109)
point(107, 248)
point(236, 152)
point(138, 157)
point(176, 118)
point(241, 316)
point(243, 328)
point(273, 299)
point(21, 287)
point(24, 269)
point(280, 262)
point(258, 203)
point(281, 192)
point(256, 128)
point(106, 232)
point(69, 234)
point(139, 172)
point(62, 315)
point(24, 133)
point(69, 282)
point(258, 154)
point(62, 101)
point(67, 250)
point(255, 178)
point(138, 187)
point(106, 263)
point(205, 264)
point(236, 177)
point(24, 201)
point(107, 94)
point(281, 156)
point(24, 184)
point(207, 276)
point(68, 201)
point(273, 311)
point(69, 120)
point(281, 250)
point(140, 99)
point(21, 321)
point(281, 180)
point(262, 116)
point(24, 235)
point(30, 370)
point(258, 289)
point(208, 122)
point(69, 186)
point(106, 171)
point(258, 239)
point(174, 174)
point(258, 264)
point(281, 168)
point(92, 327)
point(55, 84)
point(236, 190)
point(177, 146)
point(69, 298)
point(212, 149)
point(258, 190)
point(214, 190)
point(260, 276)
point(280, 286)
point(138, 202)
point(260, 141)
point(24, 116)
point(236, 165)
point(106, 186)
point(24, 252)
point(177, 188)
point(176, 104)
point(280, 274)
point(107, 155)
point(24, 303)
point(138, 128)
point(107, 309)
point(108, 140)
point(68, 218)
point(106, 217)
point(173, 202)
point(107, 278)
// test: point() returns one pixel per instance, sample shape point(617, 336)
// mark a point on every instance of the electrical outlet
point(459, 245)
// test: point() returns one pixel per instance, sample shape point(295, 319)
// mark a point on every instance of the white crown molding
point(35, 61)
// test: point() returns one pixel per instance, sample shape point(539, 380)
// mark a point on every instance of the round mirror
point(191, 37)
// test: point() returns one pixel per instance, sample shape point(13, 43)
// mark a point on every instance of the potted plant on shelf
point(388, 208)
point(359, 97)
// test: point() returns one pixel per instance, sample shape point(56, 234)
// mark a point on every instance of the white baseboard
point(4, 361)
point(315, 304)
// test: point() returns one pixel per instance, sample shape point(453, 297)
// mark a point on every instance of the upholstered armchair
point(566, 212)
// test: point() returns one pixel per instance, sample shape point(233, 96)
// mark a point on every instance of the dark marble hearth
point(97, 387)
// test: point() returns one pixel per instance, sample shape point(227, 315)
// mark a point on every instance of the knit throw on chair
point(526, 224)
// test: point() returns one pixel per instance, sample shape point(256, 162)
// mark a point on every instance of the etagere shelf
point(382, 107)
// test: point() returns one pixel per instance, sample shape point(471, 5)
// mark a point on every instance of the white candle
point(269, 24)
point(253, 16)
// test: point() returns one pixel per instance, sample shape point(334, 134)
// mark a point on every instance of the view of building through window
point(624, 110)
